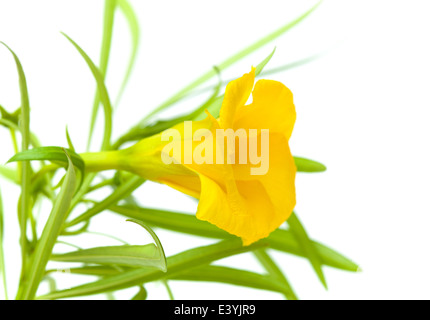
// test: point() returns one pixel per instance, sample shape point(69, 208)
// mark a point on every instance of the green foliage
point(125, 266)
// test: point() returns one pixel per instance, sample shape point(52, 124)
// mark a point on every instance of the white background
point(363, 110)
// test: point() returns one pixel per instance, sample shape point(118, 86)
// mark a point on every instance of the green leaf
point(141, 295)
point(104, 58)
point(25, 199)
point(183, 261)
point(162, 256)
point(306, 165)
point(263, 63)
point(50, 233)
point(104, 96)
point(271, 267)
point(169, 290)
point(307, 246)
point(291, 65)
point(130, 256)
point(54, 154)
point(120, 193)
point(2, 262)
point(133, 25)
point(10, 174)
point(230, 61)
point(281, 240)
point(11, 117)
point(231, 276)
point(100, 271)
point(267, 72)
point(140, 133)
point(14, 127)
point(69, 141)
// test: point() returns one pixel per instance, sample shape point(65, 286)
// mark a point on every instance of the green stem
point(99, 161)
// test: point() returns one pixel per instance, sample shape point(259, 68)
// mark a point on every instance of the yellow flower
point(231, 196)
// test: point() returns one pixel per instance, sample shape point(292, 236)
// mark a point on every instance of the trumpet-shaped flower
point(245, 186)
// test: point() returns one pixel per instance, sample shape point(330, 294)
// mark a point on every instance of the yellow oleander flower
point(247, 197)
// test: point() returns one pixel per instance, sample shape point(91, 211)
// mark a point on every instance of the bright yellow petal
point(272, 108)
point(237, 93)
point(248, 213)
point(278, 183)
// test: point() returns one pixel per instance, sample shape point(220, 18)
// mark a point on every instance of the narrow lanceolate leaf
point(24, 205)
point(183, 261)
point(140, 133)
point(100, 271)
point(104, 58)
point(230, 61)
point(162, 256)
point(120, 193)
point(2, 264)
point(130, 256)
point(9, 173)
point(133, 25)
point(231, 276)
point(266, 72)
point(104, 96)
point(263, 63)
point(307, 246)
point(54, 154)
point(50, 233)
point(281, 240)
point(272, 268)
point(141, 295)
point(69, 141)
point(307, 165)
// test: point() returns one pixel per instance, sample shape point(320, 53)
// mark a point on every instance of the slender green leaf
point(230, 61)
point(50, 233)
point(14, 127)
point(133, 25)
point(140, 133)
point(141, 295)
point(263, 63)
point(231, 276)
point(54, 154)
point(272, 268)
point(183, 261)
point(69, 141)
point(264, 73)
point(162, 256)
point(131, 256)
point(10, 174)
point(306, 165)
point(169, 290)
point(104, 96)
point(281, 240)
point(307, 246)
point(100, 270)
point(104, 58)
point(2, 262)
point(291, 65)
point(25, 199)
point(120, 193)
point(11, 117)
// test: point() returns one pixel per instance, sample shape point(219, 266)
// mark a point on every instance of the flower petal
point(272, 108)
point(256, 218)
point(237, 93)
